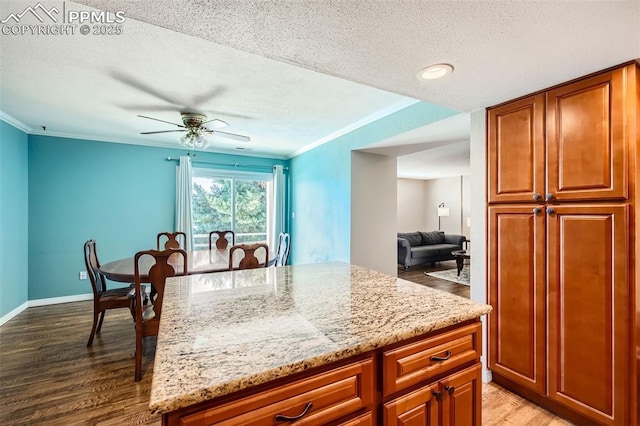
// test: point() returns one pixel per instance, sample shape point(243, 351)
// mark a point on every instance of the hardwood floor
point(49, 377)
point(416, 274)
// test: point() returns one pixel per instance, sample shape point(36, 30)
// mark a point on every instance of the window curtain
point(278, 204)
point(183, 200)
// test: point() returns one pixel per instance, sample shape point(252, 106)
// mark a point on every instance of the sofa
point(419, 248)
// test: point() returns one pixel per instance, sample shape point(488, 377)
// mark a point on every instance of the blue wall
point(321, 185)
point(13, 218)
point(120, 195)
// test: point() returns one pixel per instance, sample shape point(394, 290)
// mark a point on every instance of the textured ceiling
point(232, 60)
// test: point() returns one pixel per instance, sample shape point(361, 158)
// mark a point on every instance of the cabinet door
point(586, 138)
point(515, 138)
point(589, 299)
point(418, 408)
point(462, 398)
point(517, 293)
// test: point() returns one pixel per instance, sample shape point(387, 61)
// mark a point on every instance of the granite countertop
point(227, 331)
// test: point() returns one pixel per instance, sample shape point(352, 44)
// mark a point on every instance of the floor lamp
point(442, 211)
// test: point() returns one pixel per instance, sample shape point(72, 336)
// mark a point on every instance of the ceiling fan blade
point(216, 124)
point(205, 97)
point(157, 119)
point(163, 131)
point(137, 84)
point(239, 138)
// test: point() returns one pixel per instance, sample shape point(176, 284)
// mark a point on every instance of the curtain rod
point(224, 164)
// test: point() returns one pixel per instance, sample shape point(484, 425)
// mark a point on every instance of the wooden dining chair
point(103, 299)
point(282, 255)
point(222, 242)
point(147, 315)
point(172, 240)
point(249, 260)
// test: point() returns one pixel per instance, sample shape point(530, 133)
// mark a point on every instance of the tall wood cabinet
point(562, 221)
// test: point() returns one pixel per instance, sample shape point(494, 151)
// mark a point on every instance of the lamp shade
point(443, 211)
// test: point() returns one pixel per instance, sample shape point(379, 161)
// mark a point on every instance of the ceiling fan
point(193, 124)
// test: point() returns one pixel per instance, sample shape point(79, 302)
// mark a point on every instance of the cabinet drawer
point(364, 420)
point(411, 364)
point(325, 397)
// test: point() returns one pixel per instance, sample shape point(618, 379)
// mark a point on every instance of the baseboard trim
point(487, 376)
point(63, 299)
point(7, 317)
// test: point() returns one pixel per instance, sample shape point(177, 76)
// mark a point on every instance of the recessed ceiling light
point(435, 71)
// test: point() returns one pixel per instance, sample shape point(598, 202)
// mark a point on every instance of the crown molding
point(356, 125)
point(15, 122)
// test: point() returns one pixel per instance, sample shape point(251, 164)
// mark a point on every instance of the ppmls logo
point(16, 17)
point(42, 20)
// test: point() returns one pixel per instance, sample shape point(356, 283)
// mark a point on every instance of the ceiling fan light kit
point(193, 140)
point(194, 126)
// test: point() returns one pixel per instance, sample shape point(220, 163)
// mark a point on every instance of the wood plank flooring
point(416, 274)
point(49, 377)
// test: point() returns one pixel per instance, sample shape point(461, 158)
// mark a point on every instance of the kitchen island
point(314, 344)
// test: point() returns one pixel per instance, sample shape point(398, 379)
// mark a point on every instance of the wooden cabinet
point(420, 361)
point(587, 145)
point(569, 143)
point(562, 278)
point(454, 400)
point(316, 400)
point(517, 293)
point(515, 151)
point(589, 294)
point(432, 380)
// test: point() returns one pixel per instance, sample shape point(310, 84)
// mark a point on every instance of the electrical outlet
point(83, 275)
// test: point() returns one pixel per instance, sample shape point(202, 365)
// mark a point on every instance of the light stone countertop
point(226, 331)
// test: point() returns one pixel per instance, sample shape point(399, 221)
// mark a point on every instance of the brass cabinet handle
point(437, 394)
point(536, 210)
point(450, 389)
point(283, 418)
point(446, 356)
point(537, 196)
point(550, 210)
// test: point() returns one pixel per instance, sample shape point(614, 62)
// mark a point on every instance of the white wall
point(411, 205)
point(478, 221)
point(466, 205)
point(450, 192)
point(373, 210)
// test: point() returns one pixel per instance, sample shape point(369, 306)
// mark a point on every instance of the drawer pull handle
point(446, 356)
point(438, 395)
point(450, 389)
point(283, 418)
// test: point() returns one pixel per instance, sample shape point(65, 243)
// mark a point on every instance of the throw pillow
point(414, 238)
point(433, 237)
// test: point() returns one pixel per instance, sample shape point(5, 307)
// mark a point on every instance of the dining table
point(198, 262)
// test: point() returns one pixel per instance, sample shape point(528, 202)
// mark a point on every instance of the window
point(227, 200)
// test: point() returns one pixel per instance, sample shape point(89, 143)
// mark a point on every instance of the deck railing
point(201, 241)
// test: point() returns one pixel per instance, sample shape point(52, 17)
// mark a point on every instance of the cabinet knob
point(438, 395)
point(550, 210)
point(283, 418)
point(450, 389)
point(549, 196)
point(537, 196)
point(536, 210)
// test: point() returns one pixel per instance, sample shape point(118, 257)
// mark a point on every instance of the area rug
point(452, 275)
